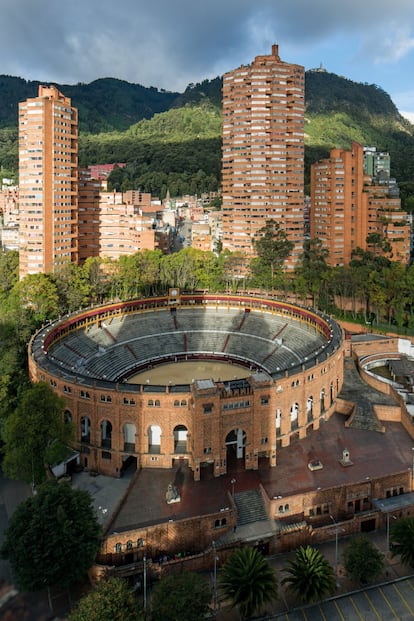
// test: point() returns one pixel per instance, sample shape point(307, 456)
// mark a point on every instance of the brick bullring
point(294, 361)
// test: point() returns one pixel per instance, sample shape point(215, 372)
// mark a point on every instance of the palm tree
point(311, 577)
point(247, 579)
point(402, 540)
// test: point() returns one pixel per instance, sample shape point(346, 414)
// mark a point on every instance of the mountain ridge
point(119, 121)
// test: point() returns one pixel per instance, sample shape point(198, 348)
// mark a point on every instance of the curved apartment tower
point(263, 152)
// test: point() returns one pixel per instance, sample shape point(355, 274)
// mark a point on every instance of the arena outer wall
point(256, 415)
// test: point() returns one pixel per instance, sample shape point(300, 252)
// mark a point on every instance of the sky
point(172, 43)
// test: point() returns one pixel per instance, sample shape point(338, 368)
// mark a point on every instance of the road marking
point(371, 603)
point(339, 611)
point(401, 596)
point(409, 584)
point(388, 602)
point(356, 608)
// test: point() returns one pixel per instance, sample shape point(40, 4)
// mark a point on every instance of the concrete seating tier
point(117, 346)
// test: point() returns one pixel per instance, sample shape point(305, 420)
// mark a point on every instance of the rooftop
point(372, 454)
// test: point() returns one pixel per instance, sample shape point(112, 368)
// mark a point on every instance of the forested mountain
point(167, 139)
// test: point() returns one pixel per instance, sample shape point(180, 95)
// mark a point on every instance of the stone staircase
point(250, 507)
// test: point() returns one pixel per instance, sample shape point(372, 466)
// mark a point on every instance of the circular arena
point(209, 379)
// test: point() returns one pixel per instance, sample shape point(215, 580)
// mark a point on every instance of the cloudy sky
point(170, 43)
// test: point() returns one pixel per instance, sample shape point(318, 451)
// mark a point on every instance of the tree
point(363, 561)
point(311, 577)
point(52, 537)
point(183, 597)
point(35, 435)
point(9, 271)
point(248, 580)
point(111, 600)
point(312, 270)
point(272, 247)
point(37, 294)
point(402, 540)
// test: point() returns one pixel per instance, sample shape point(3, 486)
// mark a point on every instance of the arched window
point(118, 548)
point(85, 425)
point(106, 434)
point(154, 439)
point(129, 545)
point(278, 421)
point(129, 431)
point(294, 416)
point(67, 417)
point(183, 402)
point(176, 403)
point(309, 409)
point(157, 403)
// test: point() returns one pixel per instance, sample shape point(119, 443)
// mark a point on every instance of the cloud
point(171, 43)
point(408, 115)
point(395, 46)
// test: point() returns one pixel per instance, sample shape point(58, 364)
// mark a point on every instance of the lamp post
point(388, 529)
point(233, 481)
point(145, 583)
point(413, 465)
point(214, 580)
point(336, 546)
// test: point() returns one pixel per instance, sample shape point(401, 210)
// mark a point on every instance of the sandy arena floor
point(185, 372)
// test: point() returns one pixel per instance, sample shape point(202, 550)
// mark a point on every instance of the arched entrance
point(236, 448)
point(180, 439)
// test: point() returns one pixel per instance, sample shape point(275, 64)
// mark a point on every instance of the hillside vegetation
point(168, 138)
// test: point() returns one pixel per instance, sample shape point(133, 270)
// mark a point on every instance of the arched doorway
point(180, 439)
point(236, 448)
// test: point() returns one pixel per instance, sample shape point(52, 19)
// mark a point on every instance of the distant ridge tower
point(263, 152)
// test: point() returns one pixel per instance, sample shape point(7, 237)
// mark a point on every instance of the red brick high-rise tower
point(263, 152)
point(48, 180)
